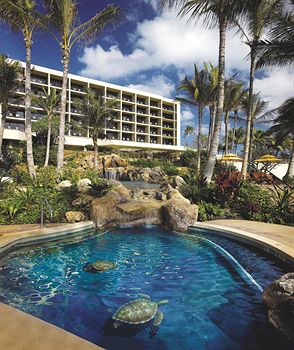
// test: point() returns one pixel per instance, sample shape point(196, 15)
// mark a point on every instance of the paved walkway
point(280, 233)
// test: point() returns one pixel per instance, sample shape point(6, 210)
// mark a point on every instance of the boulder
point(74, 216)
point(160, 196)
point(63, 184)
point(279, 299)
point(83, 185)
point(103, 210)
point(177, 182)
point(82, 200)
point(179, 214)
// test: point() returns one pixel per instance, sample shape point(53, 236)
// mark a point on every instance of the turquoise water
point(213, 286)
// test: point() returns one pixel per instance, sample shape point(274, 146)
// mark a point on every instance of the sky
point(152, 51)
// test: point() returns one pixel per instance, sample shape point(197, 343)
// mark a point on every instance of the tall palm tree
point(258, 107)
point(259, 16)
point(68, 31)
point(284, 126)
point(22, 15)
point(234, 93)
point(212, 72)
point(10, 72)
point(220, 14)
point(96, 112)
point(196, 90)
point(278, 50)
point(50, 103)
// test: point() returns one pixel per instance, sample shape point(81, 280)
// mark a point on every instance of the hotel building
point(142, 120)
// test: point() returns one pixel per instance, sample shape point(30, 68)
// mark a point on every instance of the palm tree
point(259, 16)
point(10, 72)
point(68, 31)
point(22, 15)
point(50, 103)
point(96, 112)
point(212, 72)
point(236, 136)
point(234, 94)
point(284, 126)
point(221, 14)
point(278, 50)
point(196, 90)
point(258, 107)
point(189, 131)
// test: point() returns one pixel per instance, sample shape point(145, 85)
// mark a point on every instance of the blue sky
point(151, 51)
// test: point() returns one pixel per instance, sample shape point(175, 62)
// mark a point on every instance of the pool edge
point(277, 249)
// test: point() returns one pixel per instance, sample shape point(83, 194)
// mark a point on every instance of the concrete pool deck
point(21, 331)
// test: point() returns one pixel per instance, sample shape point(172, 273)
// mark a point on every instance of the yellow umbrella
point(268, 158)
point(230, 157)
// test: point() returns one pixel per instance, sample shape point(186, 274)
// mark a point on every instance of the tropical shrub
point(254, 202)
point(209, 211)
point(20, 174)
point(228, 186)
point(99, 188)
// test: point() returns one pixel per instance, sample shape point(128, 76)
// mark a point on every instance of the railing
point(45, 201)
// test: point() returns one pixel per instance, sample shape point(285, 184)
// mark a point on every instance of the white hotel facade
point(142, 120)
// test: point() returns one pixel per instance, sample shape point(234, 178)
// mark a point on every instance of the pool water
point(212, 284)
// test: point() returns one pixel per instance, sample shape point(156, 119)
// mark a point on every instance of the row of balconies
point(111, 136)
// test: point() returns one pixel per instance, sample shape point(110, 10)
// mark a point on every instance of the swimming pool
point(213, 286)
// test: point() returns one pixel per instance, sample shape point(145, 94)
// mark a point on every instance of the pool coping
point(24, 238)
point(279, 250)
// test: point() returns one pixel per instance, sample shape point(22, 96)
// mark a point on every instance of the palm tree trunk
point(234, 130)
point(251, 144)
point(95, 154)
point(200, 113)
point(208, 172)
point(2, 125)
point(48, 144)
point(290, 171)
point(211, 125)
point(226, 133)
point(249, 117)
point(28, 107)
point(60, 152)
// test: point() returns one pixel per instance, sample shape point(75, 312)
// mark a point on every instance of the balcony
point(141, 121)
point(56, 83)
point(16, 114)
point(14, 126)
point(165, 125)
point(126, 108)
point(77, 88)
point(39, 80)
point(141, 111)
point(126, 137)
point(141, 101)
point(127, 98)
point(167, 108)
point(112, 95)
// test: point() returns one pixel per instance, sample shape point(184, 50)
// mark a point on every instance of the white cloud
point(187, 115)
point(158, 84)
point(276, 87)
point(152, 3)
point(162, 42)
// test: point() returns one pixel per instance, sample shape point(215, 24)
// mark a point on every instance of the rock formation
point(279, 299)
point(166, 207)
